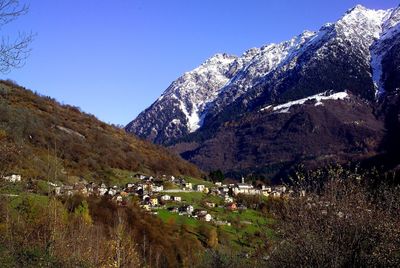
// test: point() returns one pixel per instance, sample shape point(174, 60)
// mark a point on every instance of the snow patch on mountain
point(318, 98)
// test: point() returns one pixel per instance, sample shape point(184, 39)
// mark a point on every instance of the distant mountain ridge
point(358, 54)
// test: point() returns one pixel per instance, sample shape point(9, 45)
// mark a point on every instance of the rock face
point(320, 96)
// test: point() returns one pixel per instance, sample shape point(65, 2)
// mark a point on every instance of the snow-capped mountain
point(179, 110)
point(354, 62)
point(337, 50)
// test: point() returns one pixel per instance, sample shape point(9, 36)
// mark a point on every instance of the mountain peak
point(360, 11)
point(357, 8)
point(220, 58)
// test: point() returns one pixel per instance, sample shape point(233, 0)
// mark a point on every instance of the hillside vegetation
point(40, 138)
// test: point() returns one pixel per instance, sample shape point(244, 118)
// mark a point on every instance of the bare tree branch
point(13, 53)
point(10, 10)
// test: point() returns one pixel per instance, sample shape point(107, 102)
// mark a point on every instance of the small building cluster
point(150, 193)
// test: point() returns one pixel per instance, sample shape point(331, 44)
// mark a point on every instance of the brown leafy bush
point(342, 223)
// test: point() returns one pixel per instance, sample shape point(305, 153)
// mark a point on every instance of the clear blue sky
point(114, 58)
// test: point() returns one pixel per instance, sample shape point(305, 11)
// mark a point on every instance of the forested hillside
point(40, 138)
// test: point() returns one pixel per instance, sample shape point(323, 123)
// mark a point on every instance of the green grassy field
point(121, 177)
point(166, 216)
point(195, 181)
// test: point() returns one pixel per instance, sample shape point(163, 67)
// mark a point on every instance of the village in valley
point(169, 196)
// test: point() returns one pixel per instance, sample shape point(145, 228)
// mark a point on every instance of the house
point(57, 190)
point(117, 198)
point(244, 188)
point(177, 198)
point(156, 188)
point(102, 191)
point(302, 193)
point(231, 206)
point(210, 204)
point(188, 185)
point(224, 189)
point(189, 209)
point(186, 209)
point(223, 223)
point(228, 199)
point(52, 184)
point(154, 201)
point(90, 187)
point(13, 178)
point(266, 188)
point(165, 197)
point(275, 194)
point(80, 188)
point(146, 207)
point(67, 190)
point(140, 176)
point(280, 188)
point(130, 185)
point(206, 217)
point(112, 191)
point(203, 215)
point(200, 188)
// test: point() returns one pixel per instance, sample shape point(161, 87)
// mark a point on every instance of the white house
point(203, 215)
point(207, 217)
point(13, 178)
point(154, 201)
point(188, 185)
point(102, 191)
point(189, 209)
point(266, 188)
point(130, 185)
point(280, 188)
point(210, 204)
point(200, 188)
point(156, 188)
point(177, 198)
point(57, 190)
point(118, 198)
point(165, 197)
point(276, 194)
point(112, 191)
point(228, 199)
point(224, 189)
point(244, 188)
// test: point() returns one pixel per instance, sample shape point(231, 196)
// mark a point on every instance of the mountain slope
point(311, 131)
point(51, 140)
point(179, 109)
point(358, 56)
